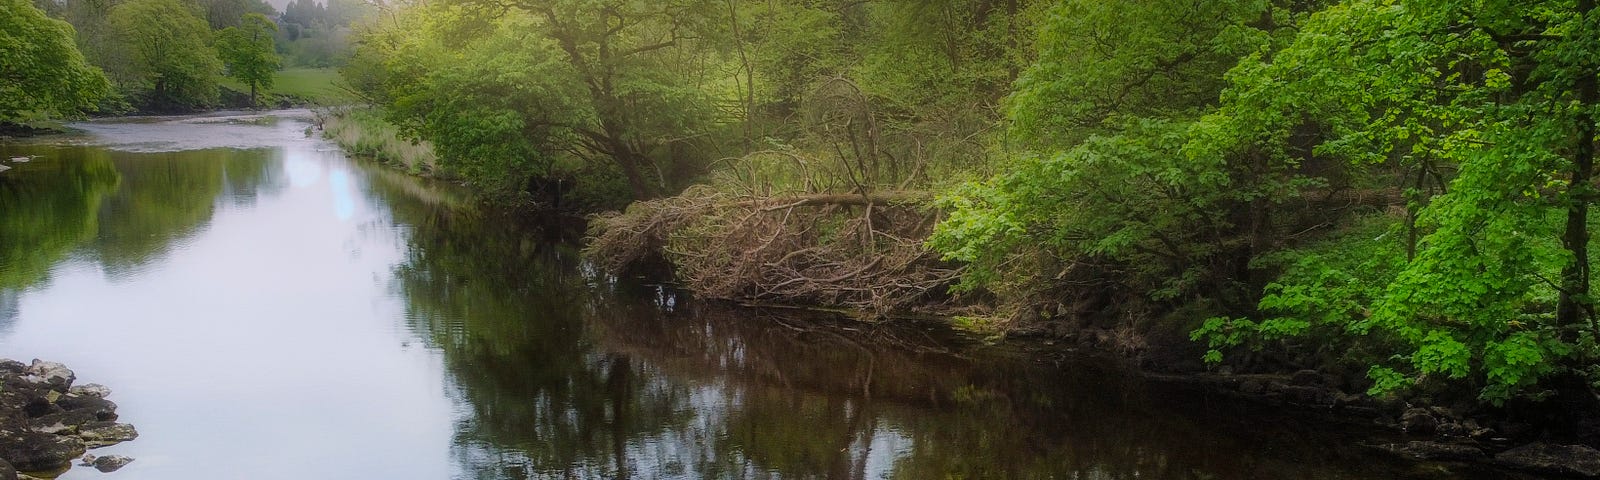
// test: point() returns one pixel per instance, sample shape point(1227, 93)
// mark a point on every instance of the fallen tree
point(861, 251)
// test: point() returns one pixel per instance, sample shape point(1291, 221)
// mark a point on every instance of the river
point(264, 307)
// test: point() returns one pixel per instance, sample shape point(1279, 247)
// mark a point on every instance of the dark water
point(265, 308)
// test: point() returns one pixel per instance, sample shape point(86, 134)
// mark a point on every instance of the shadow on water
point(569, 374)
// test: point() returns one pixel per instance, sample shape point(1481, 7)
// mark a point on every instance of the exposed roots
point(854, 251)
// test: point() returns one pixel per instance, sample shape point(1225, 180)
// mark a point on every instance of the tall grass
point(363, 132)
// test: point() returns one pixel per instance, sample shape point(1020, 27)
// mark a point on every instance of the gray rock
point(101, 408)
point(6, 472)
point(1556, 459)
point(100, 434)
point(39, 452)
point(61, 423)
point(1418, 420)
point(88, 460)
point(90, 390)
point(12, 366)
point(110, 463)
point(1433, 451)
point(53, 374)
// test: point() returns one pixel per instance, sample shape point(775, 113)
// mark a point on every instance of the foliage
point(247, 51)
point(171, 62)
point(44, 74)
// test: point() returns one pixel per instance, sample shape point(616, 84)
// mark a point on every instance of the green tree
point(42, 73)
point(1493, 289)
point(171, 63)
point(248, 53)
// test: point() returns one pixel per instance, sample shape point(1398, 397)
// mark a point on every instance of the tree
point(247, 51)
point(1492, 288)
point(624, 53)
point(171, 62)
point(42, 73)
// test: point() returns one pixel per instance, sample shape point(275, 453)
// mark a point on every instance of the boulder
point(100, 434)
point(101, 408)
point(1418, 420)
point(64, 423)
point(1307, 395)
point(38, 452)
point(1307, 378)
point(1433, 451)
point(55, 375)
point(110, 463)
point(90, 390)
point(1548, 458)
point(12, 367)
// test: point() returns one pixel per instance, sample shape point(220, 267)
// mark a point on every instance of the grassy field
point(315, 84)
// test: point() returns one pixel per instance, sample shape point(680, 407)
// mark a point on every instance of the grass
point(362, 132)
point(316, 85)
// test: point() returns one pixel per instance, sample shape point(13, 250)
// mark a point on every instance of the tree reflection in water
point(566, 373)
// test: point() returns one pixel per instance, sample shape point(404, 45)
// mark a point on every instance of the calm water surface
point(265, 308)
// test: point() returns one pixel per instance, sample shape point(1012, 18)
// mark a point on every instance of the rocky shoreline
point(46, 422)
point(1428, 434)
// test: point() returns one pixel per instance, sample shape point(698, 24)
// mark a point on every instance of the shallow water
point(263, 307)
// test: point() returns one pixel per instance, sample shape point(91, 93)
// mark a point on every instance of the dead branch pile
point(858, 251)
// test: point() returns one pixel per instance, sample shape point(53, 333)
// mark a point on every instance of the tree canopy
point(171, 62)
point(45, 76)
point(247, 52)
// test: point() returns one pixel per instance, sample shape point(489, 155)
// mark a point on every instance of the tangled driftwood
point(858, 251)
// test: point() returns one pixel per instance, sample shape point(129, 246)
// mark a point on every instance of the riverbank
point(860, 255)
point(46, 422)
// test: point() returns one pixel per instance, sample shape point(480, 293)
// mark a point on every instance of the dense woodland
point(67, 58)
point(1400, 189)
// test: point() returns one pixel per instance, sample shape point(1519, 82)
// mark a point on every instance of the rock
point(100, 434)
point(1307, 378)
point(1433, 451)
point(13, 367)
point(1251, 387)
point(4, 168)
point(1225, 370)
point(6, 472)
point(1418, 420)
point(1555, 459)
point(38, 452)
point(90, 390)
point(61, 423)
point(101, 408)
point(110, 463)
point(57, 376)
point(88, 460)
point(1306, 395)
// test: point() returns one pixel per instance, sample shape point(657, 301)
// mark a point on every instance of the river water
point(265, 308)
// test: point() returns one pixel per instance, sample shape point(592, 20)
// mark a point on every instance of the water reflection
point(254, 298)
point(49, 207)
point(570, 375)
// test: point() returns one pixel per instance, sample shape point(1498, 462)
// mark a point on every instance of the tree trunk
point(1571, 311)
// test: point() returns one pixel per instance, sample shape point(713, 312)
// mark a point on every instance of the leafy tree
point(171, 62)
point(1108, 177)
point(43, 73)
point(1497, 291)
point(221, 14)
point(247, 51)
